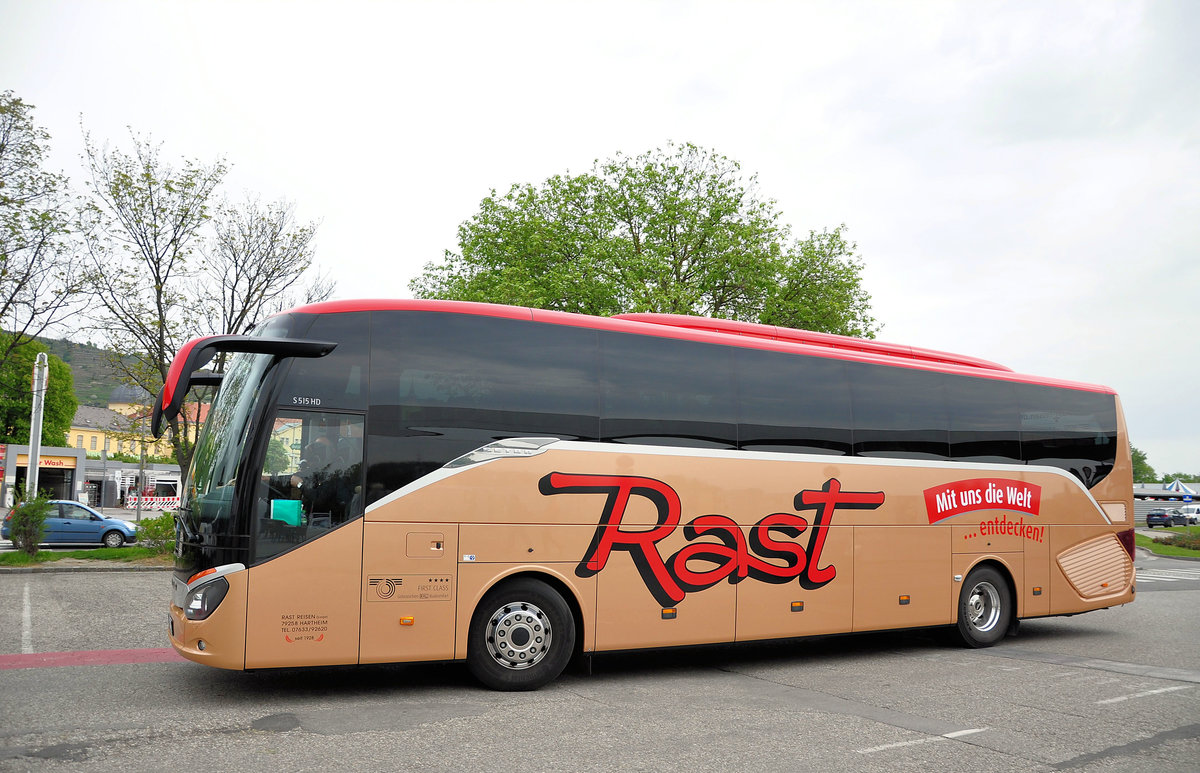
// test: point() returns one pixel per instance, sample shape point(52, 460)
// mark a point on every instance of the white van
point(1192, 512)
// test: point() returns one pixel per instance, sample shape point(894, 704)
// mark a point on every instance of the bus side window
point(311, 479)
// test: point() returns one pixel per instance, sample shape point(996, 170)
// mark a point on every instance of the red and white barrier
point(152, 503)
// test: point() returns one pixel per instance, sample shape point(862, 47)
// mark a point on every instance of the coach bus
point(398, 481)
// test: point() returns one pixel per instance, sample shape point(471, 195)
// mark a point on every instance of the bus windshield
point(209, 496)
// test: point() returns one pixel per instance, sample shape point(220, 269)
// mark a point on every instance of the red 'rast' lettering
point(731, 558)
point(825, 501)
point(609, 534)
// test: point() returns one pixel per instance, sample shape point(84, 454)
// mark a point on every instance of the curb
point(1151, 554)
point(43, 569)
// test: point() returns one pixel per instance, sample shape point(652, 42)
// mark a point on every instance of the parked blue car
point(73, 523)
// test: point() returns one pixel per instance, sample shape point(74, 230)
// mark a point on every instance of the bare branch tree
point(141, 225)
point(39, 283)
point(254, 264)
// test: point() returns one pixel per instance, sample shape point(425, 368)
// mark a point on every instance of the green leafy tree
point(1142, 471)
point(28, 524)
point(39, 283)
point(16, 396)
point(1185, 477)
point(277, 457)
point(677, 231)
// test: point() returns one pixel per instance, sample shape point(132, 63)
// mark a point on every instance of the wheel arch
point(112, 530)
point(569, 592)
point(1006, 573)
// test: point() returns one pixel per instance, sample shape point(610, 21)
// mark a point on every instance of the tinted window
point(898, 412)
point(445, 384)
point(339, 379)
point(792, 404)
point(664, 391)
point(1070, 429)
point(984, 420)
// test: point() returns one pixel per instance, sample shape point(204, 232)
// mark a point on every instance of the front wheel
point(521, 637)
point(114, 539)
point(985, 608)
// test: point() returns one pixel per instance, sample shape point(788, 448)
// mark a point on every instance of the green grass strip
point(132, 553)
point(1159, 549)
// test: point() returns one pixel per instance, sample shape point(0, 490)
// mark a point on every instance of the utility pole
point(103, 471)
point(141, 481)
point(41, 377)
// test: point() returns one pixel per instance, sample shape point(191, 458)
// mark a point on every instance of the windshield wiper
point(180, 519)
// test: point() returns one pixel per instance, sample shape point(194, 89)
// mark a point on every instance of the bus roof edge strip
point(812, 338)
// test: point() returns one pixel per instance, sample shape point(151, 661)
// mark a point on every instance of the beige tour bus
point(397, 481)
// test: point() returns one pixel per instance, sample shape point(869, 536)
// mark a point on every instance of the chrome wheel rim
point(983, 607)
point(518, 635)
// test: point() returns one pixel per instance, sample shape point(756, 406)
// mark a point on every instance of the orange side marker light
point(197, 576)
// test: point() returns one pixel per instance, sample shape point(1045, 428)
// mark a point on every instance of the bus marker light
point(197, 576)
point(407, 621)
point(797, 606)
point(1037, 591)
point(904, 600)
point(669, 614)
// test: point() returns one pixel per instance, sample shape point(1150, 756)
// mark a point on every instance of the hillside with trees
point(90, 366)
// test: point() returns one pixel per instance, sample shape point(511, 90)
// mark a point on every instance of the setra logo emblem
point(385, 587)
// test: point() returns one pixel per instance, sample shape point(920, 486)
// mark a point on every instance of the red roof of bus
point(728, 332)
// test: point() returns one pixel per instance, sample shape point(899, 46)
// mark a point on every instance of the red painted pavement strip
point(90, 658)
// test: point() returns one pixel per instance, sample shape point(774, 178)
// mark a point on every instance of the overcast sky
point(1022, 179)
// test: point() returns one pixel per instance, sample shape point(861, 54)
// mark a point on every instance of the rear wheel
point(985, 609)
point(113, 539)
point(521, 637)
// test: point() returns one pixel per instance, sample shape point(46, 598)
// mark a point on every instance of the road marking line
point(918, 741)
point(90, 658)
point(1189, 574)
point(1142, 694)
point(26, 623)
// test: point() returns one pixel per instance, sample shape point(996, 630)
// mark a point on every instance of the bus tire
point(522, 636)
point(985, 609)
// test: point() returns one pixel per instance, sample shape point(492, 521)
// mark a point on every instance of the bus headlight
point(203, 601)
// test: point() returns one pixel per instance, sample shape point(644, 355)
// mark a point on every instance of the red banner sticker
point(964, 496)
